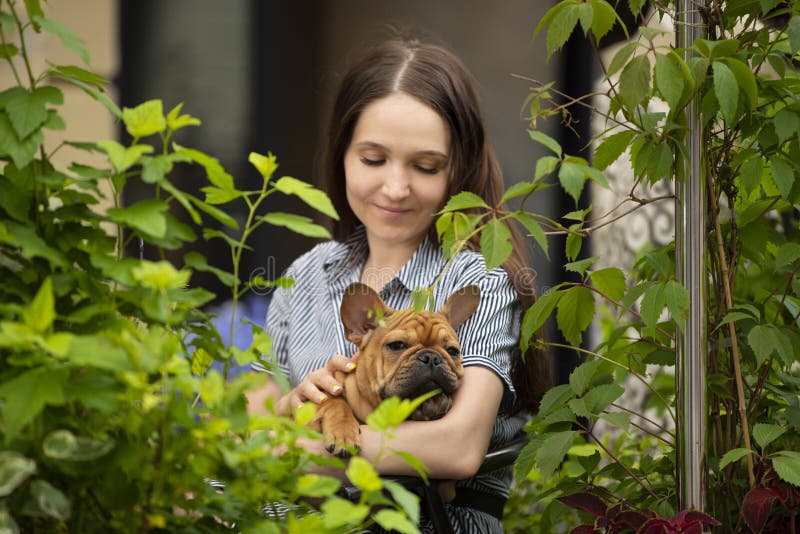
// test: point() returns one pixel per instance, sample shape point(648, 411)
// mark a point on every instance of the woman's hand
point(318, 385)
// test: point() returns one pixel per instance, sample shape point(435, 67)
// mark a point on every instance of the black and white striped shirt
point(306, 329)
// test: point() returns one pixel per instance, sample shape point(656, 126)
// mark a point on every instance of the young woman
point(406, 133)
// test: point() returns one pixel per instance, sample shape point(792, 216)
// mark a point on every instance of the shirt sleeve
point(277, 327)
point(490, 338)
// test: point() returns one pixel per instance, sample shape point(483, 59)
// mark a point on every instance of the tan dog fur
point(402, 353)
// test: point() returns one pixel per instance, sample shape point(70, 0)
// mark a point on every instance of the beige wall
point(94, 21)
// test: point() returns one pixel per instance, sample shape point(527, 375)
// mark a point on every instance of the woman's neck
point(384, 262)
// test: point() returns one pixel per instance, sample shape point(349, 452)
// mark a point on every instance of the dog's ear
point(461, 304)
point(361, 311)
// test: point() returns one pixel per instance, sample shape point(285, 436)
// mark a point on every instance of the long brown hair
point(436, 77)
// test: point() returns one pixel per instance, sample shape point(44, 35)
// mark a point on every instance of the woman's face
point(396, 169)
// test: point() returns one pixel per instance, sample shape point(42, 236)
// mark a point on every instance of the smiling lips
point(392, 211)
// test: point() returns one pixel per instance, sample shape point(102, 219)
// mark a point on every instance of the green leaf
point(296, 223)
point(733, 455)
point(26, 396)
point(603, 19)
point(338, 512)
point(91, 91)
point(407, 500)
point(534, 229)
point(620, 420)
point(464, 200)
point(553, 450)
point(635, 81)
point(145, 119)
point(68, 39)
point(609, 281)
point(8, 51)
point(42, 311)
point(50, 499)
point(266, 165)
point(64, 445)
point(787, 465)
point(32, 245)
point(148, 216)
point(764, 434)
point(361, 473)
point(214, 171)
point(536, 315)
point(123, 158)
point(544, 166)
point(793, 30)
point(495, 243)
point(217, 214)
point(746, 80)
point(611, 148)
point(580, 266)
point(546, 140)
point(677, 300)
point(787, 254)
point(176, 121)
point(750, 173)
point(575, 312)
point(394, 521)
point(599, 398)
point(782, 175)
point(14, 470)
point(28, 110)
point(313, 485)
point(415, 463)
point(22, 151)
point(653, 303)
point(198, 262)
point(574, 242)
point(621, 58)
point(561, 27)
point(766, 340)
point(787, 124)
point(581, 377)
point(393, 411)
point(726, 89)
point(572, 178)
point(83, 75)
point(519, 189)
point(154, 169)
point(309, 194)
point(669, 79)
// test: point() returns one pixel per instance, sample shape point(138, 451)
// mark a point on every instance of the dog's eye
point(397, 346)
point(452, 351)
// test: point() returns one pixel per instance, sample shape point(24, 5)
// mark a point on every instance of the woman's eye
point(427, 170)
point(372, 162)
point(453, 352)
point(397, 346)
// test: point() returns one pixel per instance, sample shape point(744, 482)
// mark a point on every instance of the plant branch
point(737, 370)
point(619, 462)
point(645, 418)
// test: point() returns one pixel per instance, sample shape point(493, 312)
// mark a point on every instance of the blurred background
point(260, 75)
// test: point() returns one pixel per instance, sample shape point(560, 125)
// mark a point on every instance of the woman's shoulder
point(316, 258)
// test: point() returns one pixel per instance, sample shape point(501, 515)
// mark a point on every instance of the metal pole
point(690, 252)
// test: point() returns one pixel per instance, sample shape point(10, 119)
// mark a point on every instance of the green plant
point(111, 416)
point(745, 78)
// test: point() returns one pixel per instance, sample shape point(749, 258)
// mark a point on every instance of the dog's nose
point(431, 359)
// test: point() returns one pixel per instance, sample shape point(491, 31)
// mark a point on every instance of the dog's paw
point(343, 441)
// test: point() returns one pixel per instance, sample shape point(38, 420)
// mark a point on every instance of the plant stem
point(637, 414)
point(737, 370)
point(618, 462)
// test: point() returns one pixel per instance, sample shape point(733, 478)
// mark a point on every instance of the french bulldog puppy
point(402, 353)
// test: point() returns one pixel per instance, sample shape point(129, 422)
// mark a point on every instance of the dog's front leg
point(340, 428)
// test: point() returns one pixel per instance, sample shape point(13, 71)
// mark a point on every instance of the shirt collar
point(345, 261)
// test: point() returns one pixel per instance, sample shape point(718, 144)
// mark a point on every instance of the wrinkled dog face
point(409, 353)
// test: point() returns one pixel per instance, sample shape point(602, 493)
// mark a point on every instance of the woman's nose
point(396, 184)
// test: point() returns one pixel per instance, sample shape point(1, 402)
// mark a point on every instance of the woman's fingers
point(341, 363)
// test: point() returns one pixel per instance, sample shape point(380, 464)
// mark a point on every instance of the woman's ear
point(461, 304)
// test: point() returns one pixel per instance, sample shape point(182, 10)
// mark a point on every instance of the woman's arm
point(452, 447)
